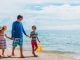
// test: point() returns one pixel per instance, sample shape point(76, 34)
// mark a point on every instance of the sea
point(53, 40)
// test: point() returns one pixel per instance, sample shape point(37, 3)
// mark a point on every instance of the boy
point(34, 36)
point(17, 35)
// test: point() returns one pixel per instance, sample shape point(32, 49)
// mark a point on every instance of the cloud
point(54, 14)
point(63, 12)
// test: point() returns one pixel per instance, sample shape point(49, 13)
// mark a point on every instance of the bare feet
point(0, 55)
point(22, 56)
point(13, 54)
point(35, 55)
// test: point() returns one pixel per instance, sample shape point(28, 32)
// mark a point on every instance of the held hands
point(28, 36)
point(10, 38)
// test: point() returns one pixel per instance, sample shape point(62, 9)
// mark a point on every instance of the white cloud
point(45, 18)
point(63, 12)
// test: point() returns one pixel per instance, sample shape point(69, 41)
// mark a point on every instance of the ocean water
point(54, 40)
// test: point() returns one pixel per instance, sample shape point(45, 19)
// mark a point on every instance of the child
point(34, 37)
point(2, 39)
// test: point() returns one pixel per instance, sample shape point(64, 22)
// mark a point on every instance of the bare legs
point(21, 51)
point(33, 51)
point(13, 49)
point(3, 52)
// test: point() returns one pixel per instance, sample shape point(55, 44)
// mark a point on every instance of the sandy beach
point(41, 56)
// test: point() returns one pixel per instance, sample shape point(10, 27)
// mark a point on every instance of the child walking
point(2, 39)
point(34, 36)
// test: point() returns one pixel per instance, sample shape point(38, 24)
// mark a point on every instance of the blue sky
point(45, 14)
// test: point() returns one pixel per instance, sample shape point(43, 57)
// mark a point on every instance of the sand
point(41, 56)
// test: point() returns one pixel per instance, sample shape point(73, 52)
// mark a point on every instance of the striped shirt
point(34, 35)
point(1, 37)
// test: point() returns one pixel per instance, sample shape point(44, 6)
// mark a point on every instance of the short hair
point(19, 16)
point(34, 26)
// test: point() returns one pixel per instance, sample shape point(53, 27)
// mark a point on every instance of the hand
point(39, 41)
point(28, 36)
point(12, 38)
point(9, 37)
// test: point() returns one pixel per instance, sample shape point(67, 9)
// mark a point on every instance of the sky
point(45, 14)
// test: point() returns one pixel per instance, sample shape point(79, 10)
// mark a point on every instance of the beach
point(60, 45)
point(41, 56)
point(52, 26)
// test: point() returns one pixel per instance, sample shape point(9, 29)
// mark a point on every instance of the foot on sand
point(22, 57)
point(35, 55)
point(0, 56)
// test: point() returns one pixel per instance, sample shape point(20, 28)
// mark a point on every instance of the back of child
point(2, 39)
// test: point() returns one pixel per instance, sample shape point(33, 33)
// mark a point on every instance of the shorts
point(34, 44)
point(17, 41)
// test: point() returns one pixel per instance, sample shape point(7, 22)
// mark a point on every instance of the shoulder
point(14, 22)
point(32, 32)
point(36, 33)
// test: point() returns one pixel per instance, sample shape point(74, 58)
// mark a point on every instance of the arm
point(8, 37)
point(12, 32)
point(24, 31)
point(38, 39)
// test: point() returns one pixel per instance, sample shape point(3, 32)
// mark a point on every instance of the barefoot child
point(34, 36)
point(2, 40)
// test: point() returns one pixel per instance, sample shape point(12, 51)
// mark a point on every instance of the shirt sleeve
point(13, 30)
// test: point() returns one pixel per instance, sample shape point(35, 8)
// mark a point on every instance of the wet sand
point(41, 56)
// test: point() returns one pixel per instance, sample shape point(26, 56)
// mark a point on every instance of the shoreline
point(45, 55)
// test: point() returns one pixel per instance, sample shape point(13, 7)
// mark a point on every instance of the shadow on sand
point(18, 57)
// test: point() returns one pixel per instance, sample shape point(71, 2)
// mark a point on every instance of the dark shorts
point(17, 41)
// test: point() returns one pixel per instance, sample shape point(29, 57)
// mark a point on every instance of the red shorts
point(34, 44)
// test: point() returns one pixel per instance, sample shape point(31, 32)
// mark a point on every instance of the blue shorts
point(17, 41)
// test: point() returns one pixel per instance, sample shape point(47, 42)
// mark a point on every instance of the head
point(19, 18)
point(4, 28)
point(33, 28)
